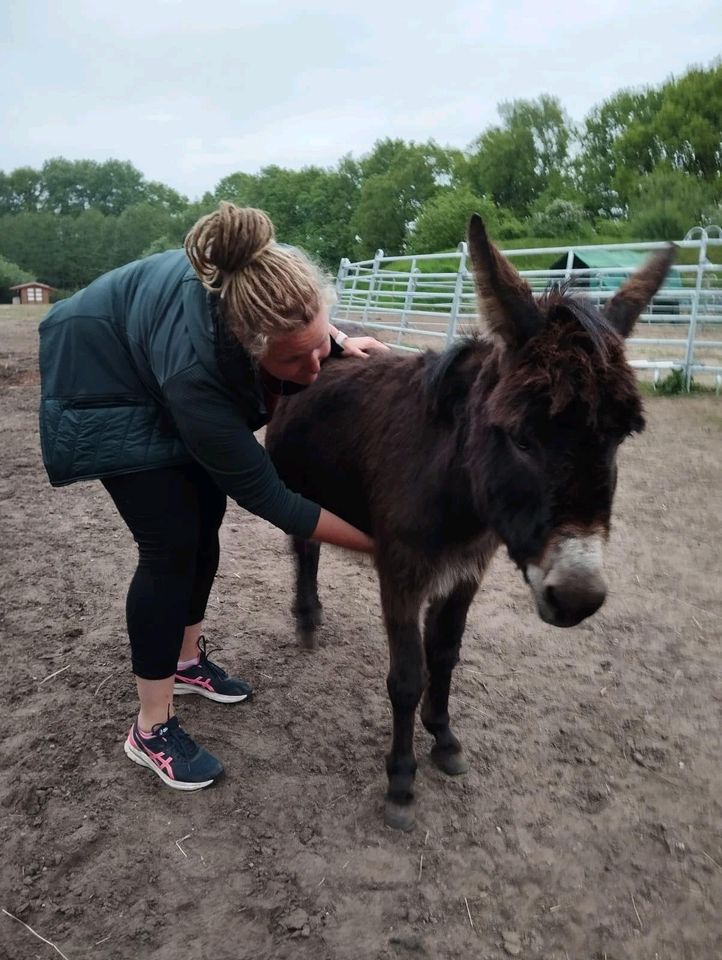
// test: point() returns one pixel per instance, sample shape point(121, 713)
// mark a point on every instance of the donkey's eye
point(521, 443)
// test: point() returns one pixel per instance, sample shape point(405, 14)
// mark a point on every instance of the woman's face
point(297, 356)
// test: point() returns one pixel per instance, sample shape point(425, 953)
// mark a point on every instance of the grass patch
point(673, 385)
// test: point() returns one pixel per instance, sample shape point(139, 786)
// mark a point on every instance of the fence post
point(378, 257)
point(689, 352)
point(409, 298)
point(458, 292)
point(340, 284)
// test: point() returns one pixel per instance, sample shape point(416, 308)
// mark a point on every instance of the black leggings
point(174, 515)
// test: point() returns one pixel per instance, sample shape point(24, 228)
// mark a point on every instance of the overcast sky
point(192, 91)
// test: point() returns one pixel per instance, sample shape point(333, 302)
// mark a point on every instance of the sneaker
point(173, 755)
point(209, 680)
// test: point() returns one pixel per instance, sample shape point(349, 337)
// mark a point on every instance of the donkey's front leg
point(405, 683)
point(307, 607)
point(445, 623)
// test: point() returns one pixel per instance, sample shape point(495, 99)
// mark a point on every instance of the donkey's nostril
point(550, 598)
point(572, 602)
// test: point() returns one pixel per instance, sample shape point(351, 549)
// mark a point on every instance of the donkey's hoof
point(307, 638)
point(451, 762)
point(400, 816)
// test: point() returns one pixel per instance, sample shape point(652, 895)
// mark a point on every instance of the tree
point(10, 275)
point(20, 191)
point(240, 188)
point(32, 240)
point(444, 218)
point(379, 221)
point(118, 185)
point(69, 186)
point(310, 208)
point(85, 248)
point(527, 154)
point(675, 127)
point(666, 203)
point(136, 228)
point(397, 178)
point(159, 195)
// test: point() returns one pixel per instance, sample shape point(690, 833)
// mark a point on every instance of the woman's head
point(274, 299)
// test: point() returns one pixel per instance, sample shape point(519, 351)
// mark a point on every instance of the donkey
point(507, 440)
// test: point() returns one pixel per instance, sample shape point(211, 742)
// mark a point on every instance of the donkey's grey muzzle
point(567, 584)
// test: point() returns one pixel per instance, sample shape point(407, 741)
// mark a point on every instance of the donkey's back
point(367, 442)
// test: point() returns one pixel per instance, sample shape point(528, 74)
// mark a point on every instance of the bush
point(667, 203)
point(672, 384)
point(10, 275)
point(443, 219)
point(510, 228)
point(562, 219)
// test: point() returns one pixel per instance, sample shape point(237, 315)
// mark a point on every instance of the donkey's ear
point(448, 376)
point(505, 299)
point(632, 297)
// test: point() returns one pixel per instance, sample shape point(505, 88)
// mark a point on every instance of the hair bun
point(228, 240)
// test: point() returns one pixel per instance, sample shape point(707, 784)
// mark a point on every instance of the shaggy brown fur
point(443, 457)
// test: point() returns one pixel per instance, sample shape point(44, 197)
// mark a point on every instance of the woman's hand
point(332, 529)
point(358, 346)
point(361, 346)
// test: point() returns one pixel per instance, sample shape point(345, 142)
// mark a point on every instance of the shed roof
point(627, 261)
point(602, 258)
point(33, 283)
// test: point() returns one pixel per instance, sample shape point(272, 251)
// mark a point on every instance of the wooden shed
point(31, 293)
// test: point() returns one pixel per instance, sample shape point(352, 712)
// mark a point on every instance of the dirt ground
point(590, 825)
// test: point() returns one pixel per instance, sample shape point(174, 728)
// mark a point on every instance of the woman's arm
point(216, 434)
point(332, 529)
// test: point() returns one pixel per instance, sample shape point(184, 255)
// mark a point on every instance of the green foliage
point(136, 228)
point(672, 384)
point(562, 219)
point(527, 154)
point(443, 220)
point(72, 186)
point(666, 203)
point(630, 135)
point(158, 246)
point(398, 178)
point(310, 208)
point(10, 275)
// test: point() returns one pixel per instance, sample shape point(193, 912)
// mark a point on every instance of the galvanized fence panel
point(426, 300)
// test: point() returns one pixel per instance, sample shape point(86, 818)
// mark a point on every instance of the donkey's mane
point(560, 298)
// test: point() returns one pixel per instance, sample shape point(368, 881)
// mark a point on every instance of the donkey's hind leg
point(445, 623)
point(307, 607)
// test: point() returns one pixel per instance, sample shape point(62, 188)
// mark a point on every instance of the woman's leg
point(161, 509)
point(211, 509)
point(196, 673)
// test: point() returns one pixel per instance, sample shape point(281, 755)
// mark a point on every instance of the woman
point(153, 380)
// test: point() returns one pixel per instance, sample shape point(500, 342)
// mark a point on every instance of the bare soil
point(590, 825)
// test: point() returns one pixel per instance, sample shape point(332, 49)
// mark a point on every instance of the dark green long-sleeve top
point(137, 373)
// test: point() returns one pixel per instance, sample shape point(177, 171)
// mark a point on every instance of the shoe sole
point(180, 689)
point(142, 760)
